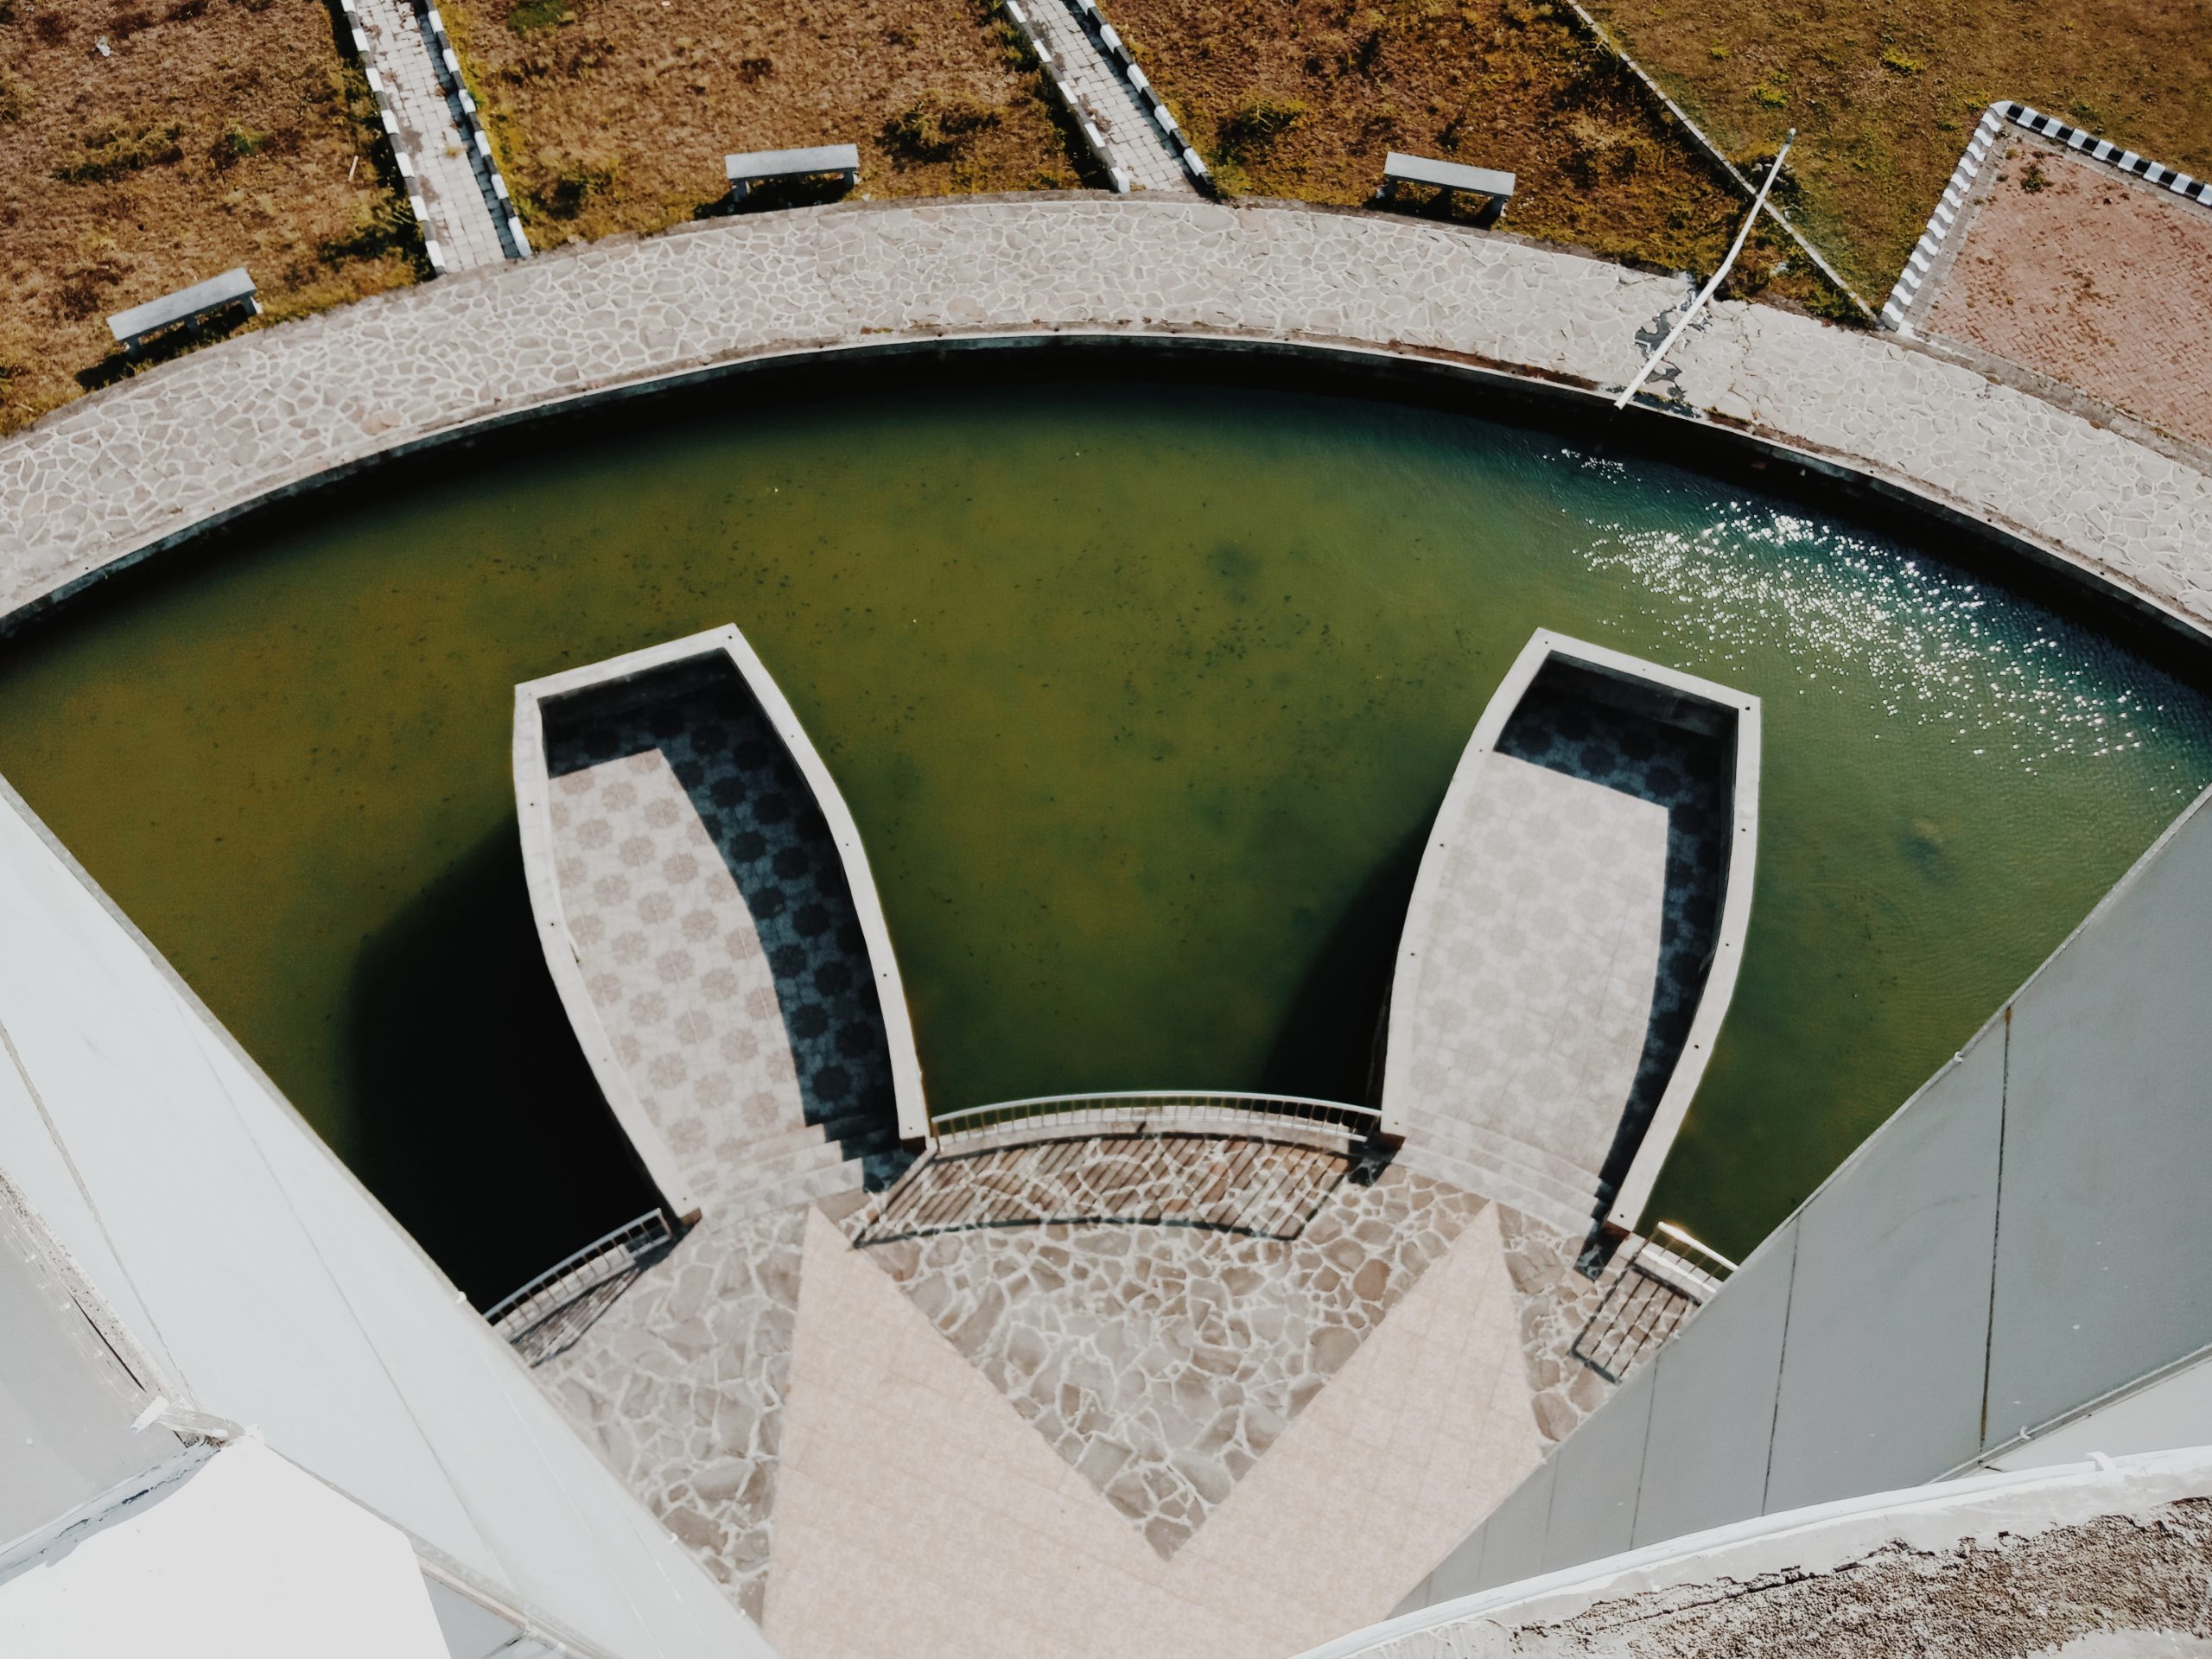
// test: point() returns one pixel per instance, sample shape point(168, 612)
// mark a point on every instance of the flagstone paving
point(142, 463)
point(1163, 1362)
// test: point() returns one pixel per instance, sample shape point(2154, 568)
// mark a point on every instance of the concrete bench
point(758, 166)
point(1400, 168)
point(232, 289)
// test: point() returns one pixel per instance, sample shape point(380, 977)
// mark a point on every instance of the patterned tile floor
point(1687, 773)
point(717, 932)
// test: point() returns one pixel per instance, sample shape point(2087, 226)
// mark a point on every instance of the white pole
point(1706, 293)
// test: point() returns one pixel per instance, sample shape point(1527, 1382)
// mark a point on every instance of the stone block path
point(452, 177)
point(1100, 96)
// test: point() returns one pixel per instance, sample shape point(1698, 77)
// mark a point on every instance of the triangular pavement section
point(1162, 1361)
point(917, 1517)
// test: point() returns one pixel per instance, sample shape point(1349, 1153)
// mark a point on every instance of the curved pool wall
point(154, 461)
point(143, 467)
point(216, 685)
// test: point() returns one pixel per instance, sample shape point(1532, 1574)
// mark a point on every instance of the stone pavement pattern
point(681, 1384)
point(1163, 1362)
point(460, 218)
point(917, 1515)
point(2093, 277)
point(119, 472)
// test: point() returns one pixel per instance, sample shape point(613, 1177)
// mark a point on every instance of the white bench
point(1400, 169)
point(232, 289)
point(757, 166)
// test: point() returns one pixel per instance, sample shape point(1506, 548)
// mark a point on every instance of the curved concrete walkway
point(145, 463)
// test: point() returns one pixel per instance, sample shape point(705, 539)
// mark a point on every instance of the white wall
point(271, 1289)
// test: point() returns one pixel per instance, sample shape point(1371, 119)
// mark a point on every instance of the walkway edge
point(154, 461)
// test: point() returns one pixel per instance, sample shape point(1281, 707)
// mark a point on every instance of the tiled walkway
point(1686, 776)
point(451, 174)
point(718, 937)
point(1103, 98)
point(1527, 1024)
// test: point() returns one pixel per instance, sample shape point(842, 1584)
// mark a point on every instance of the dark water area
point(1142, 694)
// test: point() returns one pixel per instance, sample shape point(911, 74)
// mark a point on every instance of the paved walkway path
point(452, 177)
point(124, 470)
point(1103, 97)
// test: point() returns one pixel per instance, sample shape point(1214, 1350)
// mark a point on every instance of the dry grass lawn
point(614, 115)
point(1886, 96)
point(216, 133)
point(1301, 97)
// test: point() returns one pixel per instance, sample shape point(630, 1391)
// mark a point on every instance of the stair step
point(1442, 1130)
point(1501, 1186)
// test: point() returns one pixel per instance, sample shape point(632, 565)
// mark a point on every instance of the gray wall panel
point(2070, 1145)
point(1600, 1467)
point(2106, 1226)
point(1881, 1380)
point(1712, 1402)
point(1510, 1546)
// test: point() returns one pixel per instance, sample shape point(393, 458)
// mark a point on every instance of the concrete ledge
point(151, 461)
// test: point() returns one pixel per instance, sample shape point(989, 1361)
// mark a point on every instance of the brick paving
point(451, 177)
point(2095, 278)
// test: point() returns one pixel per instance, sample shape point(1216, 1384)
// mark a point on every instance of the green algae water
point(1143, 696)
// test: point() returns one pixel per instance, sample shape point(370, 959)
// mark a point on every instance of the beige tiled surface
point(1530, 1014)
point(919, 1515)
point(675, 967)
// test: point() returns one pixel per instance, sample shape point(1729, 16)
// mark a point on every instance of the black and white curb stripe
point(472, 128)
point(1117, 56)
point(408, 178)
point(1993, 122)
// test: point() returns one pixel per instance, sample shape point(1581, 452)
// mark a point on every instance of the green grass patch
point(112, 153)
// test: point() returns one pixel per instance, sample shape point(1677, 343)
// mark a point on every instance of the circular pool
point(1142, 692)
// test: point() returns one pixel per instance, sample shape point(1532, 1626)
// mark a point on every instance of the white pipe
point(1706, 293)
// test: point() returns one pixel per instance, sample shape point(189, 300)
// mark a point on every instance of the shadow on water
point(452, 1026)
point(1325, 1047)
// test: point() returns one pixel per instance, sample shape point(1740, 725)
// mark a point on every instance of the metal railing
point(579, 1274)
point(1193, 1107)
point(1658, 1289)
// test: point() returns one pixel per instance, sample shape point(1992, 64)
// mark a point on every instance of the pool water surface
point(1142, 694)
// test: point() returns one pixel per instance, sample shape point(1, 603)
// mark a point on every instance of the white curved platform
point(1546, 1029)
